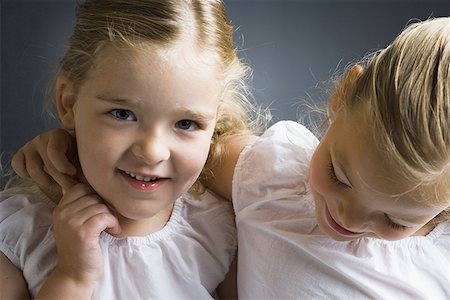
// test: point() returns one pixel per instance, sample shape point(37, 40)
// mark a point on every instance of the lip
point(143, 186)
point(338, 228)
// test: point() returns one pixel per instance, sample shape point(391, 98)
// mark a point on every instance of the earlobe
point(65, 100)
point(343, 87)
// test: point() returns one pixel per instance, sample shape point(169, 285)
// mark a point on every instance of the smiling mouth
point(143, 183)
point(141, 178)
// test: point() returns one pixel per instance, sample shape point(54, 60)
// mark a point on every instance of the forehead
point(354, 145)
point(371, 172)
point(155, 72)
point(179, 55)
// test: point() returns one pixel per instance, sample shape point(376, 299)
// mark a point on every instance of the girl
point(148, 89)
point(364, 213)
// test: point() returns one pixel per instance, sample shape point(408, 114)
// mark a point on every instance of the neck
point(142, 227)
point(425, 230)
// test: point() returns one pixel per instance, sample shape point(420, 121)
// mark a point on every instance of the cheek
point(194, 158)
point(318, 177)
point(97, 151)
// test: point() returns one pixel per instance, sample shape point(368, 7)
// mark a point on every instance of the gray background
point(293, 47)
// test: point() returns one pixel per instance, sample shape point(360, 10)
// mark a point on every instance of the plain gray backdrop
point(293, 46)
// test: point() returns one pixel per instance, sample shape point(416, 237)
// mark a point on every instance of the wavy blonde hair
point(405, 89)
point(162, 23)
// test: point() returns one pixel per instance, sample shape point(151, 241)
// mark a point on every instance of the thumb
point(114, 228)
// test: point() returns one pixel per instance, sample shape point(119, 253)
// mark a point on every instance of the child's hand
point(46, 150)
point(78, 220)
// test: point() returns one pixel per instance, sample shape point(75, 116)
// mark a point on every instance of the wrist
point(63, 285)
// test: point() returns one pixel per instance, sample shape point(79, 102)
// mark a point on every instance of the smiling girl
point(364, 214)
point(149, 89)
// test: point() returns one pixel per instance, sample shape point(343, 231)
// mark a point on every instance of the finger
point(97, 217)
point(104, 222)
point(35, 169)
point(75, 216)
point(85, 206)
point(28, 163)
point(59, 145)
point(77, 191)
point(18, 164)
point(64, 180)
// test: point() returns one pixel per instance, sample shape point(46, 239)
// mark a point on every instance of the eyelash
point(116, 111)
point(333, 177)
point(192, 123)
point(393, 224)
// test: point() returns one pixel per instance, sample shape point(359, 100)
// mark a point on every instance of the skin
point(12, 283)
point(153, 119)
point(351, 185)
point(349, 181)
point(143, 125)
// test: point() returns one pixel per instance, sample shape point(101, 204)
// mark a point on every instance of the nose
point(353, 216)
point(152, 148)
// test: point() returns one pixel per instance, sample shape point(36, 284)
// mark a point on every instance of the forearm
point(61, 286)
point(12, 283)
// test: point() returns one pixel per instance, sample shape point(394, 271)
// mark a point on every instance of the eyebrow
point(119, 101)
point(197, 115)
point(194, 114)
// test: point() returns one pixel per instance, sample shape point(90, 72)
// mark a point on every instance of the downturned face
point(357, 193)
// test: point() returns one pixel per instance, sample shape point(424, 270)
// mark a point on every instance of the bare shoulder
point(221, 181)
point(12, 283)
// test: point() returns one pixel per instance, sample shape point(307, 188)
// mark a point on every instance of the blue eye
point(186, 125)
point(123, 114)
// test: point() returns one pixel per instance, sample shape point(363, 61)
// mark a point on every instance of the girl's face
point(351, 183)
point(143, 125)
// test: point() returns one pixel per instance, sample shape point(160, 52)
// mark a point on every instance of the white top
point(187, 259)
point(284, 255)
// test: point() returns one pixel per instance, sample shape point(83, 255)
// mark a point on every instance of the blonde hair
point(405, 89)
point(133, 23)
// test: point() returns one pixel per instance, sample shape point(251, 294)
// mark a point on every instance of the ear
point(344, 85)
point(65, 101)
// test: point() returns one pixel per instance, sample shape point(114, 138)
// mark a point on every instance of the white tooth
point(126, 172)
point(139, 177)
point(147, 179)
point(133, 175)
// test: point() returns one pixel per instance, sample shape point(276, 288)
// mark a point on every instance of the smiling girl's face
point(352, 182)
point(143, 124)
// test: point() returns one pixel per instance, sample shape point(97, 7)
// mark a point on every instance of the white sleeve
point(275, 166)
point(25, 219)
point(214, 226)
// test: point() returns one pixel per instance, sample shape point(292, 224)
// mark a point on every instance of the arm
point(221, 182)
point(227, 289)
point(61, 286)
point(12, 283)
point(78, 220)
